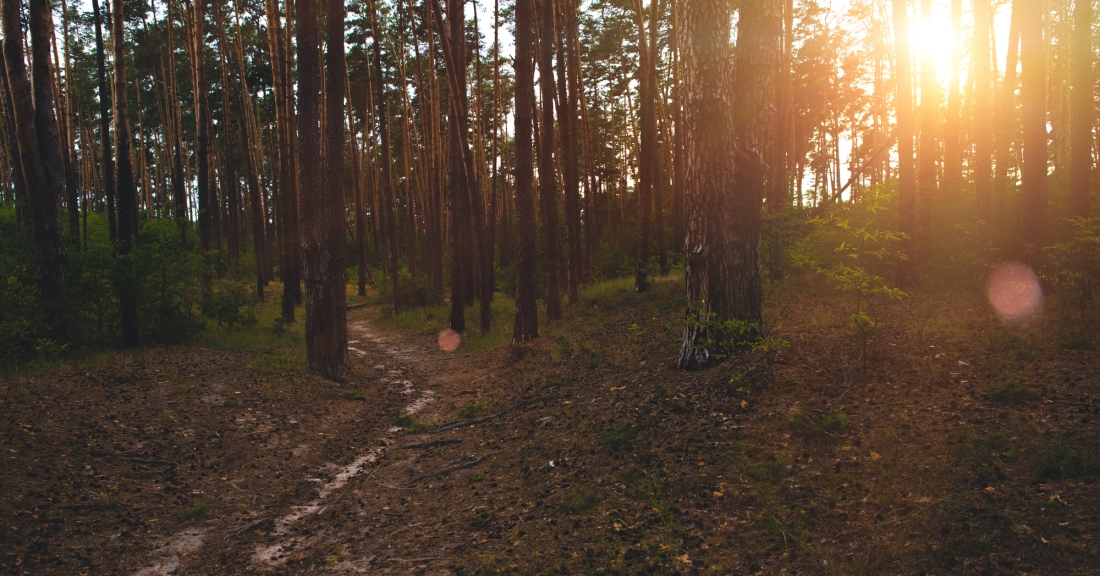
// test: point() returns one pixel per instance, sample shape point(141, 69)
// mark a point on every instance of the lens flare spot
point(449, 340)
point(1014, 291)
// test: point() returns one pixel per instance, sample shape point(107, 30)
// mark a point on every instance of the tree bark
point(907, 206)
point(952, 125)
point(1006, 117)
point(32, 132)
point(323, 241)
point(569, 81)
point(526, 327)
point(1083, 114)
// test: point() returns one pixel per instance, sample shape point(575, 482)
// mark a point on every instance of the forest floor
point(964, 447)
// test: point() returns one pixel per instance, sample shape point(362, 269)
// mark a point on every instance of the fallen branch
point(411, 560)
point(448, 469)
point(262, 522)
point(116, 456)
point(433, 443)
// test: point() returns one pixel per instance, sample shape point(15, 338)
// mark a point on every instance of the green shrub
point(232, 305)
point(470, 410)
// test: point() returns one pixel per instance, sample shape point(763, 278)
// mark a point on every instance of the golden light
point(1014, 291)
point(936, 38)
point(449, 340)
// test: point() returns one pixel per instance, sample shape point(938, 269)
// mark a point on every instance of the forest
point(549, 286)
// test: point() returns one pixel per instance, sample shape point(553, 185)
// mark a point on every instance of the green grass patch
point(834, 423)
point(1012, 392)
point(771, 472)
point(231, 402)
point(1060, 460)
point(411, 424)
point(470, 410)
point(196, 512)
point(353, 396)
point(618, 436)
point(579, 501)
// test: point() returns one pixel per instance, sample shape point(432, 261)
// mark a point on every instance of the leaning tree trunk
point(32, 132)
point(907, 205)
point(526, 326)
point(1084, 109)
point(124, 182)
point(1033, 93)
point(323, 246)
point(548, 189)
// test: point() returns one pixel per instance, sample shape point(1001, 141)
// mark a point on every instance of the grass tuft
point(832, 424)
point(196, 512)
point(1012, 392)
point(619, 436)
point(579, 501)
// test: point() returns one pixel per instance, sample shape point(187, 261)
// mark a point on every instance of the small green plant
point(481, 516)
point(109, 503)
point(196, 512)
point(857, 265)
point(834, 423)
point(353, 395)
point(579, 501)
point(232, 305)
point(231, 402)
point(1012, 392)
point(636, 331)
point(1074, 270)
point(478, 478)
point(1060, 460)
point(618, 436)
point(470, 410)
point(715, 339)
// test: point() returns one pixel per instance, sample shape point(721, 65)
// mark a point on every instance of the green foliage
point(1012, 392)
point(619, 436)
point(411, 424)
point(721, 337)
point(1060, 460)
point(231, 402)
point(579, 501)
point(232, 305)
point(353, 396)
point(1074, 269)
point(834, 423)
point(421, 292)
point(863, 251)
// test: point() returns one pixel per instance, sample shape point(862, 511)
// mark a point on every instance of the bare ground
point(966, 447)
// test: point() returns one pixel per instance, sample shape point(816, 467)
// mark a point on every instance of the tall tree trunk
point(127, 192)
point(105, 123)
point(907, 205)
point(1083, 114)
point(526, 326)
point(72, 194)
point(983, 86)
point(487, 253)
point(929, 147)
point(1033, 93)
point(179, 192)
point(387, 200)
point(647, 150)
point(229, 170)
point(18, 186)
point(548, 188)
point(290, 199)
point(39, 155)
point(286, 196)
point(1006, 117)
point(952, 125)
point(323, 245)
point(569, 79)
point(206, 198)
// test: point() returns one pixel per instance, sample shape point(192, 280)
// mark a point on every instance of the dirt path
point(197, 461)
